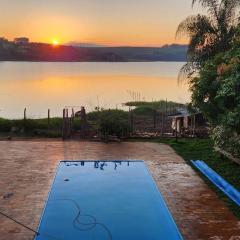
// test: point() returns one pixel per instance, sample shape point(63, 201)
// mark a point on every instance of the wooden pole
point(63, 124)
point(132, 121)
point(165, 118)
point(48, 119)
point(166, 106)
point(67, 124)
point(72, 121)
point(25, 113)
point(154, 118)
point(162, 123)
point(73, 114)
point(24, 119)
point(176, 134)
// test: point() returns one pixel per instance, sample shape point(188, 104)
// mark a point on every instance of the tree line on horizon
point(30, 51)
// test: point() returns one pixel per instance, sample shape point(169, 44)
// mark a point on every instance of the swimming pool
point(93, 200)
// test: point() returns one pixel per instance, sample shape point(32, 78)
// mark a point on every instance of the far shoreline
point(175, 61)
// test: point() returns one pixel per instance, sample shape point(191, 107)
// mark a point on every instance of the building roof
point(181, 112)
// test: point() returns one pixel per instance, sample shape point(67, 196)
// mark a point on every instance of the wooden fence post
point(73, 114)
point(154, 118)
point(72, 121)
point(48, 119)
point(25, 114)
point(63, 124)
point(24, 119)
point(67, 124)
point(162, 124)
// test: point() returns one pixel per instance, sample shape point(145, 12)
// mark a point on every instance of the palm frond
point(186, 72)
point(208, 34)
point(227, 12)
point(211, 6)
point(219, 10)
point(193, 25)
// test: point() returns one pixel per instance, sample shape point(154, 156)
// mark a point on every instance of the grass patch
point(202, 149)
point(113, 122)
point(148, 108)
point(31, 127)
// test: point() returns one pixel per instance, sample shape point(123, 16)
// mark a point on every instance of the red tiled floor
point(27, 170)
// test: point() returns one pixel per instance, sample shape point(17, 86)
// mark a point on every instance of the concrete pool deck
point(27, 170)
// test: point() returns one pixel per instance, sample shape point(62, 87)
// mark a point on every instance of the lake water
point(39, 86)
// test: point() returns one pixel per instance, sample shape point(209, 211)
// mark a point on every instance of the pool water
point(105, 200)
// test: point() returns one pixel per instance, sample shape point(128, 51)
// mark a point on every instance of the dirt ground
point(27, 170)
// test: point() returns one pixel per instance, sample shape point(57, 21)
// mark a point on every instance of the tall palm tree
point(209, 34)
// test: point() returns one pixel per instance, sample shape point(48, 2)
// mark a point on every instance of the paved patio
point(27, 170)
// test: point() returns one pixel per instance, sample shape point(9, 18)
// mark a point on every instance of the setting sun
point(55, 42)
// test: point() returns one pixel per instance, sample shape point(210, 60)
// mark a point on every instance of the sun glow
point(55, 42)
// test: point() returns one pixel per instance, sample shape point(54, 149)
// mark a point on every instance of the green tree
point(213, 69)
point(209, 34)
point(216, 92)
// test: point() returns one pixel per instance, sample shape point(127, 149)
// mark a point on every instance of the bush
point(148, 108)
point(32, 124)
point(32, 127)
point(144, 110)
point(114, 122)
point(5, 125)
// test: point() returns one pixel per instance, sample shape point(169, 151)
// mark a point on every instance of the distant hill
point(84, 44)
point(172, 52)
point(11, 51)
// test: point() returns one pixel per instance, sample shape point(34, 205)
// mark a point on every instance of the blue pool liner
point(105, 200)
point(218, 181)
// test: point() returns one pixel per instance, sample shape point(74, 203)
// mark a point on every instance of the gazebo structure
point(186, 123)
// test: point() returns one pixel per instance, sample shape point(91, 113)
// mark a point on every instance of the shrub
point(5, 125)
point(114, 122)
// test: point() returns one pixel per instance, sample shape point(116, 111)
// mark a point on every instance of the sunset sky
point(105, 22)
